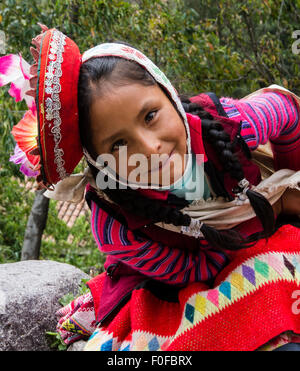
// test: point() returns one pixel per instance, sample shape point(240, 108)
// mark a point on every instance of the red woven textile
point(253, 301)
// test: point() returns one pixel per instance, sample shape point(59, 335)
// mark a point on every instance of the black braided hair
point(214, 133)
point(118, 71)
point(154, 210)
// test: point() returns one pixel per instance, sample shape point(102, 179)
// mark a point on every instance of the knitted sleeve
point(156, 260)
point(270, 116)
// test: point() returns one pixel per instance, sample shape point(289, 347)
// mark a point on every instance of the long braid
point(158, 211)
point(214, 133)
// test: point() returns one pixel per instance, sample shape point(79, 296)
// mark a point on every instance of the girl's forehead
point(127, 98)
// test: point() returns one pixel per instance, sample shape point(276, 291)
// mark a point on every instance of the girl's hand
point(289, 203)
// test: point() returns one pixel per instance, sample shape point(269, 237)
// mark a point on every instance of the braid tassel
point(259, 203)
point(221, 240)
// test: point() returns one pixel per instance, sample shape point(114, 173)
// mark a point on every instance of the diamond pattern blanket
point(255, 299)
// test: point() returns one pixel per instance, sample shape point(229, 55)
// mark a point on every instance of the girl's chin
point(159, 180)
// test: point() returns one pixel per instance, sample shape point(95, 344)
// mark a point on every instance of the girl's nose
point(149, 144)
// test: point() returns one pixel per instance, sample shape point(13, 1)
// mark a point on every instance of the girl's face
point(137, 119)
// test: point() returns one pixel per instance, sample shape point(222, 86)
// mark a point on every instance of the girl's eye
point(150, 116)
point(117, 144)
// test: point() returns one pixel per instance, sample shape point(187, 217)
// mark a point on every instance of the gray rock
point(78, 346)
point(29, 294)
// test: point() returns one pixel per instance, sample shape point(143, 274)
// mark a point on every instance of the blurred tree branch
point(35, 226)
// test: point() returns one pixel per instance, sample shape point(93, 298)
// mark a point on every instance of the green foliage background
point(229, 47)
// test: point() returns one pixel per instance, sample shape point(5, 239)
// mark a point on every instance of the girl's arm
point(156, 260)
point(274, 117)
point(270, 116)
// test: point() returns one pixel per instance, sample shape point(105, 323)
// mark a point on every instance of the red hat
point(58, 131)
point(48, 141)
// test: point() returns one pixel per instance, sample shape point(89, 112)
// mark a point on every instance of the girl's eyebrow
point(146, 106)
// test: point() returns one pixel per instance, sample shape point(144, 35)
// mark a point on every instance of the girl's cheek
point(173, 128)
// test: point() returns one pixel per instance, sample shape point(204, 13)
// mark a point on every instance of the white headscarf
point(132, 54)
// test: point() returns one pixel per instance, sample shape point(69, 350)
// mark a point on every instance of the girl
point(170, 258)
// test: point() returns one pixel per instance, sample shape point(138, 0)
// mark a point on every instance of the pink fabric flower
point(16, 71)
point(19, 157)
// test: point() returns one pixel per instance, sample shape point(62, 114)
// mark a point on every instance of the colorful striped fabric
point(253, 300)
point(153, 259)
point(269, 116)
